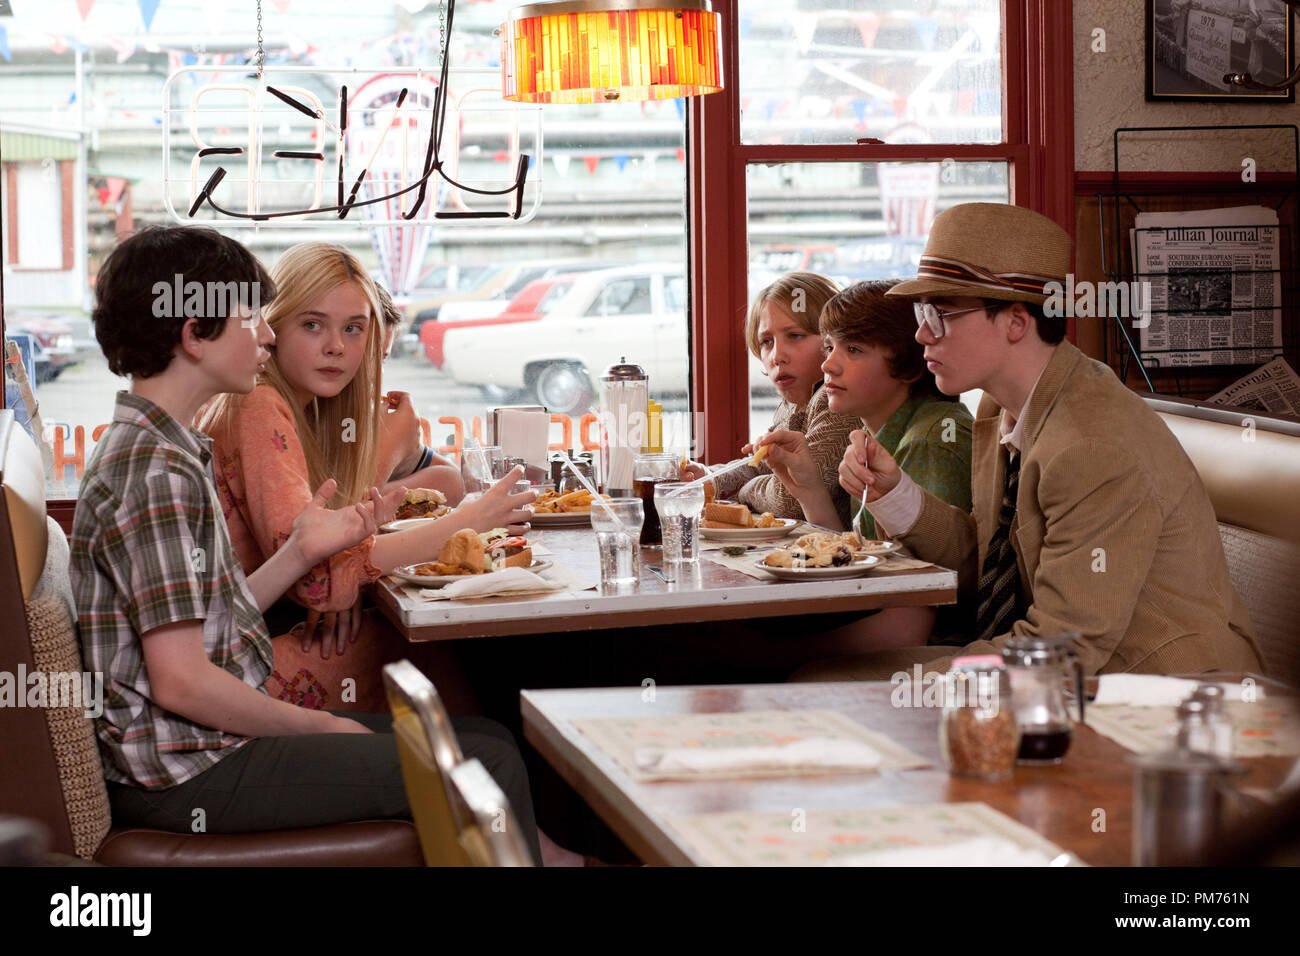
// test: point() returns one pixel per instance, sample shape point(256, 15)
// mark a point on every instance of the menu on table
point(1264, 728)
point(631, 740)
point(946, 834)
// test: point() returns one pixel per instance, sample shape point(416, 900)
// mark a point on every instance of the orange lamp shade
point(603, 51)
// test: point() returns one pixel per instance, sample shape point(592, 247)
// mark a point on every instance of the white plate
point(879, 548)
point(750, 534)
point(442, 580)
point(562, 519)
point(859, 567)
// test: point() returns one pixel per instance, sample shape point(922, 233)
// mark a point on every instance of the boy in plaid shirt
point(165, 611)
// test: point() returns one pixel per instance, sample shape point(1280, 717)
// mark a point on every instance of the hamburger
point(504, 550)
point(422, 503)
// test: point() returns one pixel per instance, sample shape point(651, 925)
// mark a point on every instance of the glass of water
point(619, 542)
point(680, 506)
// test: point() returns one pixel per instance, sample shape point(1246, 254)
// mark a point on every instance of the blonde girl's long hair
point(339, 435)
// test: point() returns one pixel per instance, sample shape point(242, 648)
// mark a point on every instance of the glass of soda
point(649, 471)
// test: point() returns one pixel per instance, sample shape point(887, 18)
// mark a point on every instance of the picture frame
point(1191, 44)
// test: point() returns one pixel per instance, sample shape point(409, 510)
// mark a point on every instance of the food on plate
point(759, 455)
point(817, 550)
point(468, 552)
point(554, 503)
point(725, 515)
point(422, 503)
point(862, 545)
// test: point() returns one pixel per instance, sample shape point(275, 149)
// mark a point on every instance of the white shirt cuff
point(897, 510)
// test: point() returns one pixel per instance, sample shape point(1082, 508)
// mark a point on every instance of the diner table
point(1083, 805)
point(713, 593)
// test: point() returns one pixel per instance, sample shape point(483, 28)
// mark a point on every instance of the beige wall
point(1110, 91)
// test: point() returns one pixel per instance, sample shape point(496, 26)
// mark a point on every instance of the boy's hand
point(319, 532)
point(792, 463)
point(867, 469)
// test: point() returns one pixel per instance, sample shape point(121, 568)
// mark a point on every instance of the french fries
point(760, 455)
point(552, 502)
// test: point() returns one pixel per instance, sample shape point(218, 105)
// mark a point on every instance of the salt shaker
point(1218, 723)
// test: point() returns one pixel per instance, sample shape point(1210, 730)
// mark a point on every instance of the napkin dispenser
point(522, 431)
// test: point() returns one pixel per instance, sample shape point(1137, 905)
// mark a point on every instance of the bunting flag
point(83, 7)
point(561, 163)
point(621, 161)
point(859, 111)
point(867, 24)
point(805, 25)
point(900, 106)
point(4, 45)
point(681, 155)
point(926, 28)
point(591, 162)
point(965, 100)
point(147, 9)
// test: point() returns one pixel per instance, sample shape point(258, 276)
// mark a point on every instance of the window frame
point(1038, 122)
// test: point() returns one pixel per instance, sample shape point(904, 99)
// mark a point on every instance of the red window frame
point(1038, 117)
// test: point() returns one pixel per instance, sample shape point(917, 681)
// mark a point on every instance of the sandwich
point(468, 552)
point(422, 503)
point(504, 550)
point(718, 514)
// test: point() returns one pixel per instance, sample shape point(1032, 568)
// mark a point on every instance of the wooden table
point(715, 593)
point(1060, 802)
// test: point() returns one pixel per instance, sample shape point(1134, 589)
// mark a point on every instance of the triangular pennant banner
point(561, 163)
point(621, 160)
point(591, 162)
point(83, 7)
point(147, 10)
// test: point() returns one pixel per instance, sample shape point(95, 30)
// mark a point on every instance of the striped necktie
point(999, 590)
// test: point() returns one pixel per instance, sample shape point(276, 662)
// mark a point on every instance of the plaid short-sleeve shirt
point(150, 548)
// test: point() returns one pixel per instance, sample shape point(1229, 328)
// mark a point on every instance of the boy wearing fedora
point(1088, 516)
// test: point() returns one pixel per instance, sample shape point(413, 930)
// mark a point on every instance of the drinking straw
point(595, 495)
point(721, 470)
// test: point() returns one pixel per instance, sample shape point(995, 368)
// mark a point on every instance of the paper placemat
point(852, 837)
point(556, 573)
point(622, 737)
point(1265, 728)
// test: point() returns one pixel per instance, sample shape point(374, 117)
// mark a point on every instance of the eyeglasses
point(935, 319)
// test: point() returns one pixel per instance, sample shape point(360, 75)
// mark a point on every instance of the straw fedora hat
point(990, 251)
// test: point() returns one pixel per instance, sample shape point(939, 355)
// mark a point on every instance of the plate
point(561, 519)
point(859, 567)
point(750, 534)
point(442, 580)
point(879, 548)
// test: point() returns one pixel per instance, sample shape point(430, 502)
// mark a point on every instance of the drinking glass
point(680, 506)
point(481, 467)
point(618, 541)
point(650, 471)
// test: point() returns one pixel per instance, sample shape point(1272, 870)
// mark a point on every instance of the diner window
point(493, 312)
point(848, 128)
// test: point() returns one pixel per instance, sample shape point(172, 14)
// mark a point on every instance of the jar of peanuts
point(978, 735)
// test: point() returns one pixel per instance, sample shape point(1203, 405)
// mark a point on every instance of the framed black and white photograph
point(1193, 44)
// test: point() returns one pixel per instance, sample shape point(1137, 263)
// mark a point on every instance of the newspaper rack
point(1113, 259)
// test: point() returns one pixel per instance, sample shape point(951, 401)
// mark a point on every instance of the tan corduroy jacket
point(1115, 535)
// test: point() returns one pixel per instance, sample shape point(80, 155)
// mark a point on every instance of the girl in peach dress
point(317, 413)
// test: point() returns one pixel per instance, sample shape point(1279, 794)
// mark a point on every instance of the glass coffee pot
point(1039, 668)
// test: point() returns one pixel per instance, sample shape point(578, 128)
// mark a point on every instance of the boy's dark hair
point(863, 313)
point(1050, 330)
point(139, 325)
point(388, 309)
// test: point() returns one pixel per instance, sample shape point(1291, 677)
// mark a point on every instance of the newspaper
point(1215, 286)
point(1274, 387)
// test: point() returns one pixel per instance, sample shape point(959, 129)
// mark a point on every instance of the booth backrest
point(1249, 463)
point(47, 745)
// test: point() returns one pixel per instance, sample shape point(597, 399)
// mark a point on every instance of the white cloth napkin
point(820, 753)
point(1152, 690)
point(524, 434)
point(977, 851)
point(509, 581)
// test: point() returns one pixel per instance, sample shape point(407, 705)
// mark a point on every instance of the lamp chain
point(442, 32)
point(261, 53)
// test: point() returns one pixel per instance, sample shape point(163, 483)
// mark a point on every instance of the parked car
point(531, 303)
point(637, 312)
point(55, 338)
